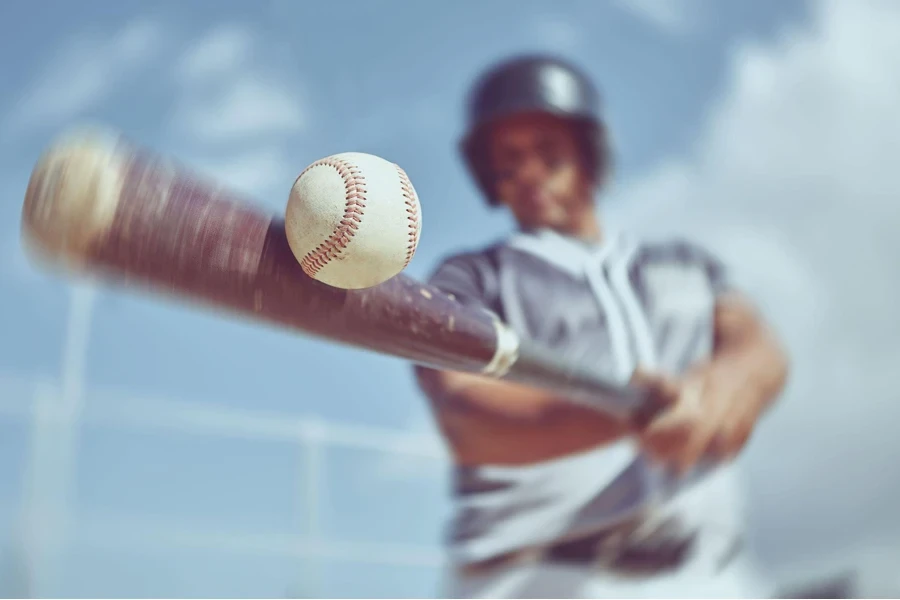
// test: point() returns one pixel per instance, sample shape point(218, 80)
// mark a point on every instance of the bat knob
point(72, 195)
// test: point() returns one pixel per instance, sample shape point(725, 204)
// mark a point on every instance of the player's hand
point(661, 393)
point(711, 416)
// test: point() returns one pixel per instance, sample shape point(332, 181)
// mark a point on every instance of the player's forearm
point(761, 361)
point(748, 348)
point(487, 421)
point(488, 398)
point(501, 442)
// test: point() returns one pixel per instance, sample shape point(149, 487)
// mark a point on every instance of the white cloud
point(794, 180)
point(236, 113)
point(244, 105)
point(557, 33)
point(224, 50)
point(230, 94)
point(256, 172)
point(86, 71)
point(671, 16)
point(136, 43)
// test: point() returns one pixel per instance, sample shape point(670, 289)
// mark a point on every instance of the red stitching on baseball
point(412, 214)
point(355, 192)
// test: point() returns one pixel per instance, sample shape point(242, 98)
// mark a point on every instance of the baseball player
point(552, 499)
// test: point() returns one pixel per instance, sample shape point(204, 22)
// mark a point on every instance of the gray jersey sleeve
point(717, 272)
point(470, 278)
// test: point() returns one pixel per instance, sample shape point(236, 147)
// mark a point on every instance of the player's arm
point(497, 422)
point(487, 397)
point(474, 412)
point(747, 346)
point(722, 399)
point(471, 280)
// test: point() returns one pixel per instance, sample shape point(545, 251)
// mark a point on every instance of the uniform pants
point(701, 577)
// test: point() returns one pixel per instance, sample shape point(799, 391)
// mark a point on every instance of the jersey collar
point(565, 252)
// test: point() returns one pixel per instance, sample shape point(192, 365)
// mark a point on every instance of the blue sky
point(765, 128)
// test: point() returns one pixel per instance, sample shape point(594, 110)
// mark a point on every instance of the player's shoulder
point(671, 249)
point(682, 256)
point(474, 256)
point(471, 274)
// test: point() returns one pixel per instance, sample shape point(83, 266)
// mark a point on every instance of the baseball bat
point(100, 206)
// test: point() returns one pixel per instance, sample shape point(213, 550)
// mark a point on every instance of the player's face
point(539, 170)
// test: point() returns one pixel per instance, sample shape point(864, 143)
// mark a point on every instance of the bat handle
point(583, 384)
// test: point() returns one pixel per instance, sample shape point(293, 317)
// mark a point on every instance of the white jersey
point(619, 304)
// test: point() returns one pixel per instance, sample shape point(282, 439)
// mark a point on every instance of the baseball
point(353, 220)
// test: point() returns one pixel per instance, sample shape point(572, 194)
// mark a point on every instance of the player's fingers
point(736, 430)
point(662, 395)
point(684, 430)
point(665, 437)
point(679, 402)
point(663, 443)
point(667, 389)
point(706, 419)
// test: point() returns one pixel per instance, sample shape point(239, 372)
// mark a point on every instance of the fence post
point(313, 445)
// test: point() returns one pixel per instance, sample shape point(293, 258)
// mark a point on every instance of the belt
point(630, 549)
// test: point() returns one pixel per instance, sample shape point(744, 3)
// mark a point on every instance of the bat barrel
point(98, 205)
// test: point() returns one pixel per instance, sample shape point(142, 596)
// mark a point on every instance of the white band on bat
point(507, 351)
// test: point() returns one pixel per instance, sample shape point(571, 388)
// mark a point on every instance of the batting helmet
point(532, 83)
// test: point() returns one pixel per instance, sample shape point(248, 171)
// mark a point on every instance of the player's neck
point(585, 227)
point(584, 224)
point(588, 231)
